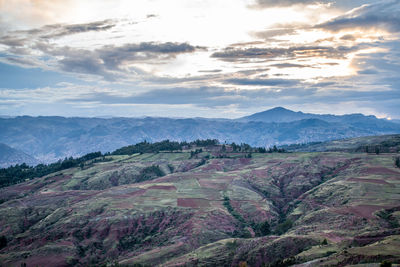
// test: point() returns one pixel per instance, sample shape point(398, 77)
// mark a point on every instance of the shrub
point(231, 244)
point(262, 229)
point(385, 263)
point(284, 227)
point(3, 242)
point(150, 173)
point(397, 162)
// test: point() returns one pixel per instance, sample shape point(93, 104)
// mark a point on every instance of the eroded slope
point(206, 211)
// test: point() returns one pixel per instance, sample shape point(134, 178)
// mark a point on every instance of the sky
point(199, 58)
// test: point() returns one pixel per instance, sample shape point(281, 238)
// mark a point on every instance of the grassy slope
point(97, 215)
point(386, 143)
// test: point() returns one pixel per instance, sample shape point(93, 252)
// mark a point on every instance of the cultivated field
point(211, 209)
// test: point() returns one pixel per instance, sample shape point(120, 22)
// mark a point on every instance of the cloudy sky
point(208, 58)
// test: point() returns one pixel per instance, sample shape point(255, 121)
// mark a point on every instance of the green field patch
point(369, 180)
point(217, 182)
point(187, 183)
point(319, 251)
point(241, 193)
point(363, 210)
point(193, 202)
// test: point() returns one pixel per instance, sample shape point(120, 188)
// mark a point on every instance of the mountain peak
point(278, 109)
point(277, 114)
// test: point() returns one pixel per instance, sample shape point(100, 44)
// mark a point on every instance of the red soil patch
point(380, 170)
point(273, 161)
point(65, 243)
point(260, 173)
point(334, 238)
point(288, 166)
point(213, 184)
point(163, 187)
point(45, 260)
point(179, 177)
point(110, 167)
point(374, 181)
point(193, 202)
point(244, 161)
point(393, 178)
point(213, 167)
point(137, 193)
point(125, 205)
point(364, 211)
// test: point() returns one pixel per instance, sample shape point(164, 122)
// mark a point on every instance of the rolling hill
point(370, 144)
point(214, 207)
point(10, 156)
point(52, 138)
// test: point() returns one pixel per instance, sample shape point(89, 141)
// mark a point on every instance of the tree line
point(166, 145)
point(21, 172)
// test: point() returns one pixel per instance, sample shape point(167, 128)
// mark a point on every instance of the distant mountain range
point(51, 138)
point(280, 114)
point(10, 156)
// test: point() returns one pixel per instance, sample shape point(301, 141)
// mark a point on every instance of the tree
point(385, 263)
point(3, 241)
point(284, 227)
point(264, 228)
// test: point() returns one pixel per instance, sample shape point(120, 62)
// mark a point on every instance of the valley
point(49, 139)
point(211, 208)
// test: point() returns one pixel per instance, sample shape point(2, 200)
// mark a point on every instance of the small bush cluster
point(20, 173)
point(397, 162)
point(260, 229)
point(150, 173)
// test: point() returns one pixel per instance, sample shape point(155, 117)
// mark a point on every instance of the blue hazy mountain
point(52, 138)
point(10, 156)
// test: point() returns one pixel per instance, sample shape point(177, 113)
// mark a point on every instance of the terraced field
point(273, 209)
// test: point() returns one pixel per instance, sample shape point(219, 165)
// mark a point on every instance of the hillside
point(10, 156)
point(212, 207)
point(52, 138)
point(280, 114)
point(370, 144)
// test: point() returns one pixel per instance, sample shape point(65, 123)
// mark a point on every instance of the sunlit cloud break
point(201, 58)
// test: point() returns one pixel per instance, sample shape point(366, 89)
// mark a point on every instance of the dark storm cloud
point(379, 15)
point(216, 96)
point(277, 30)
point(114, 56)
point(211, 71)
point(85, 63)
point(60, 30)
point(368, 72)
point(233, 54)
point(261, 82)
point(16, 39)
point(12, 41)
point(26, 62)
point(199, 96)
point(63, 30)
point(348, 37)
point(277, 3)
point(289, 65)
point(109, 61)
point(346, 4)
